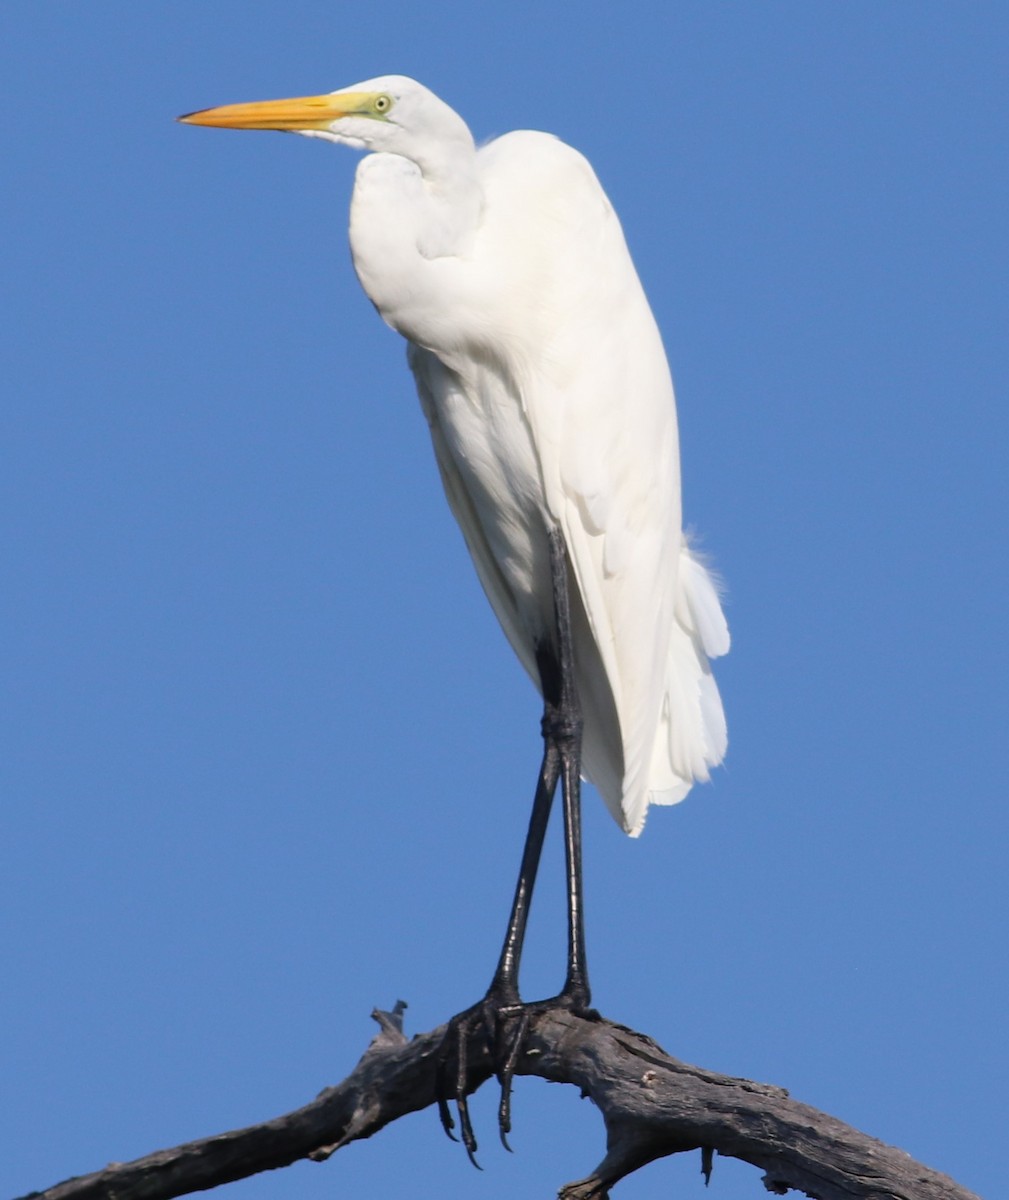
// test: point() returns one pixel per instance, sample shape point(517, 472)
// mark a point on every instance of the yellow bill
point(302, 112)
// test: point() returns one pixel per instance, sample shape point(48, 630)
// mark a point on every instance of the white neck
point(410, 222)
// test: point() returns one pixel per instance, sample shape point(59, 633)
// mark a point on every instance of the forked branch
point(652, 1106)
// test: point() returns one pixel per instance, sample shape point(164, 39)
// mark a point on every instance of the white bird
point(542, 374)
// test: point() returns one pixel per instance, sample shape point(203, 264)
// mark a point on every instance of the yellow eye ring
point(382, 104)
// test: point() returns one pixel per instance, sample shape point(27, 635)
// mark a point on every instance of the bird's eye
point(382, 104)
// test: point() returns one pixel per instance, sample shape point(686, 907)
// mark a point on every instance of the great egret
point(543, 379)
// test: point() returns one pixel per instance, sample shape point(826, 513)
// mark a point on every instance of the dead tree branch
point(652, 1106)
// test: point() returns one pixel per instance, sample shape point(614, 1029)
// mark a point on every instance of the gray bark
point(652, 1105)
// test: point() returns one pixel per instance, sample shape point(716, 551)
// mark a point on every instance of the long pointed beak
point(303, 112)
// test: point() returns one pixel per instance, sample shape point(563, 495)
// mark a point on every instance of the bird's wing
point(600, 404)
point(438, 387)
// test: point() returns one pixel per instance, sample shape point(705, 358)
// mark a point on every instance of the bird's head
point(391, 113)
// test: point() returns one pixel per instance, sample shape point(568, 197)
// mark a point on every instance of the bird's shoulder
point(526, 144)
point(549, 235)
point(527, 167)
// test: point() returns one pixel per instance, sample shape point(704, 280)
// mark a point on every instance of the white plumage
point(543, 378)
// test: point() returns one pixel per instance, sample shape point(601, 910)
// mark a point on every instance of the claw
point(461, 1102)
point(445, 1116)
point(504, 1115)
point(453, 1078)
point(502, 1028)
point(505, 1078)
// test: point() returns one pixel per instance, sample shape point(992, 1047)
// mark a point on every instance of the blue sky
point(267, 759)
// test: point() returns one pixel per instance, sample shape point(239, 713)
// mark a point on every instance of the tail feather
point(692, 736)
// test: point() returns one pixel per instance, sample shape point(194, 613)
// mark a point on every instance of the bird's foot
point(496, 1027)
point(492, 1029)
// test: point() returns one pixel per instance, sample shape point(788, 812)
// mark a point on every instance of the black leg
point(505, 982)
point(562, 734)
point(502, 999)
point(568, 739)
